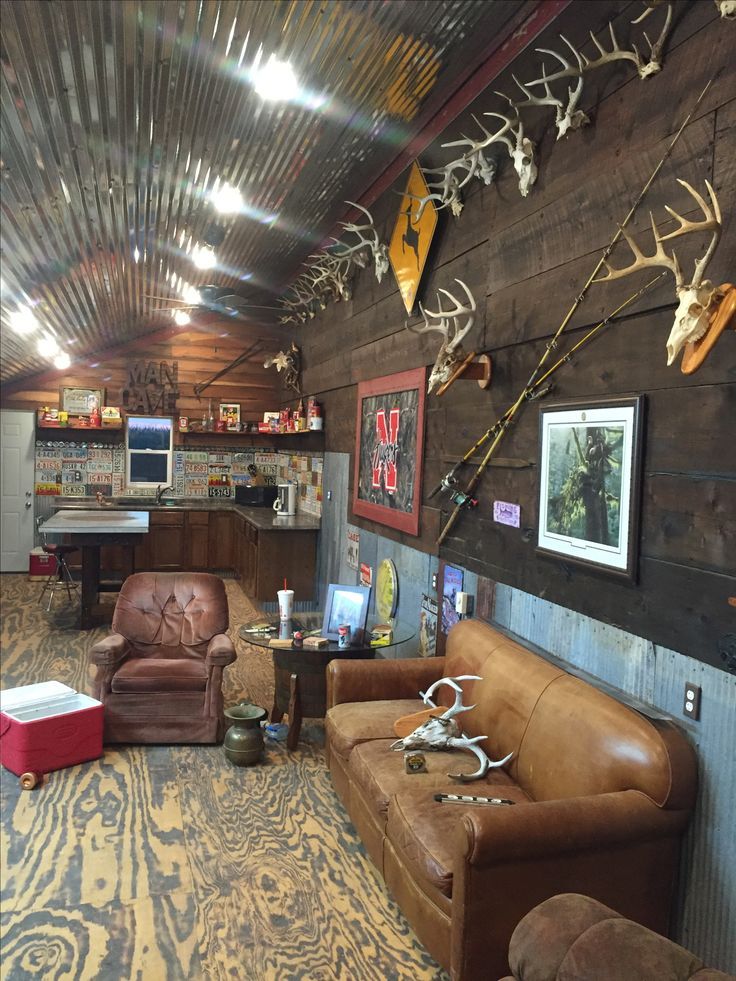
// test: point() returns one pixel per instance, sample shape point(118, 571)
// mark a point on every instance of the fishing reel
point(462, 500)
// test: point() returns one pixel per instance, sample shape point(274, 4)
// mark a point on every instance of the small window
point(148, 451)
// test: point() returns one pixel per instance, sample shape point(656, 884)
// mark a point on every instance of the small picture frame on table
point(346, 605)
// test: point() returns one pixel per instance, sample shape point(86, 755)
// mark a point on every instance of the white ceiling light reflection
point(227, 199)
point(191, 295)
point(23, 321)
point(62, 361)
point(275, 81)
point(48, 346)
point(181, 318)
point(203, 256)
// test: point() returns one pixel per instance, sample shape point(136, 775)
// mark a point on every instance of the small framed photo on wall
point(589, 483)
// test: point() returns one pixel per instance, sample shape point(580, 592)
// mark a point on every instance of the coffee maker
point(285, 503)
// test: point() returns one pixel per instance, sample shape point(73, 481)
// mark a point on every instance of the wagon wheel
point(29, 780)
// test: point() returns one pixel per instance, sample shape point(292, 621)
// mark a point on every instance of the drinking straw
point(284, 582)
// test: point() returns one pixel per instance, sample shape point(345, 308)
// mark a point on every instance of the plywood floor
point(168, 862)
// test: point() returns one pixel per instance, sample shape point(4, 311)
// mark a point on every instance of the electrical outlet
point(434, 581)
point(691, 706)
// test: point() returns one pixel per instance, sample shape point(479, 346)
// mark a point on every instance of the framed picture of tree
point(590, 483)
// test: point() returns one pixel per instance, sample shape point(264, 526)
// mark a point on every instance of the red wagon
point(47, 727)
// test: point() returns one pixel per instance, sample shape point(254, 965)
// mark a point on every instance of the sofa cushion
point(512, 681)
point(422, 831)
point(581, 742)
point(159, 675)
point(355, 722)
point(379, 772)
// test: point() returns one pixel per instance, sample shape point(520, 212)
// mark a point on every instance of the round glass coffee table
point(299, 672)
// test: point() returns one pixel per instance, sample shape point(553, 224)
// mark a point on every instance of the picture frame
point(389, 445)
point(230, 414)
point(590, 456)
point(81, 401)
point(346, 604)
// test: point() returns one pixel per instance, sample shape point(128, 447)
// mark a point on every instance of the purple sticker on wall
point(507, 514)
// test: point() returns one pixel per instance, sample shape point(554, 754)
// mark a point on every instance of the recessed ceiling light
point(23, 321)
point(62, 361)
point(275, 81)
point(181, 318)
point(48, 346)
point(191, 295)
point(203, 256)
point(227, 199)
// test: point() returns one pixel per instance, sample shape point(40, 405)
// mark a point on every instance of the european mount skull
point(451, 353)
point(443, 732)
point(697, 299)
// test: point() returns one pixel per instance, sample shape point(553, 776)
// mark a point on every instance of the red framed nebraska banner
point(389, 444)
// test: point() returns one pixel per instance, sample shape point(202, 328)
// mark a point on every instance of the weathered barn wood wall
point(200, 351)
point(525, 260)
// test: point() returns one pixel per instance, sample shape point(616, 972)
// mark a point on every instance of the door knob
point(29, 504)
point(28, 493)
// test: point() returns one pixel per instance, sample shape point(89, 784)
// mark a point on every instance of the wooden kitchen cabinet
point(166, 542)
point(221, 540)
point(197, 539)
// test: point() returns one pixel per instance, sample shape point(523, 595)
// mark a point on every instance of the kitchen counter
point(264, 519)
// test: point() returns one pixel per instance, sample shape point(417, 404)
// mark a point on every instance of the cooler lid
point(15, 698)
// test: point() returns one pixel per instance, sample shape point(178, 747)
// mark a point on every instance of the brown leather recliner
point(159, 675)
point(576, 938)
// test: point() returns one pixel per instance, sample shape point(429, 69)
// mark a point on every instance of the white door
point(17, 472)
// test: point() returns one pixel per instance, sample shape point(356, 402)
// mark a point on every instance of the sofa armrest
point(370, 680)
point(220, 651)
point(620, 848)
point(108, 653)
point(500, 835)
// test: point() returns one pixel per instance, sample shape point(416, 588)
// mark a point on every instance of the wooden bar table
point(90, 530)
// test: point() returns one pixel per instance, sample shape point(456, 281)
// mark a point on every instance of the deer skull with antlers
point(378, 250)
point(443, 732)
point(521, 150)
point(697, 298)
point(726, 8)
point(451, 352)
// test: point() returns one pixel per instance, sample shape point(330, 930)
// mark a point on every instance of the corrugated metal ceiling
point(119, 117)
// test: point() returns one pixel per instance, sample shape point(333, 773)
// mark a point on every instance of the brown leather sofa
point(576, 938)
point(159, 674)
point(602, 796)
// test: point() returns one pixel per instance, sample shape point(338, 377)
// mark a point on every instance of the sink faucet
point(160, 491)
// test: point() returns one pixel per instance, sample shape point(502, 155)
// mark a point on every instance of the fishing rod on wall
point(463, 499)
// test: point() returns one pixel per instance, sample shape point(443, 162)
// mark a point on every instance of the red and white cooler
point(46, 727)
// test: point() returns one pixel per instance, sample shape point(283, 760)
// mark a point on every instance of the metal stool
point(61, 577)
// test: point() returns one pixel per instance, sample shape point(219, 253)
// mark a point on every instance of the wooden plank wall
point(525, 260)
point(200, 351)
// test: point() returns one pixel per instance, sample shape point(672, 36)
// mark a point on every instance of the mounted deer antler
point(451, 352)
point(442, 732)
point(521, 150)
point(697, 298)
point(726, 8)
point(378, 250)
point(617, 53)
point(567, 117)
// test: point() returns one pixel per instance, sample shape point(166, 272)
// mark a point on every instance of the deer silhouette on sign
point(411, 235)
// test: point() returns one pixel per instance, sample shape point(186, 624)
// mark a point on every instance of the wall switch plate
point(434, 581)
point(691, 706)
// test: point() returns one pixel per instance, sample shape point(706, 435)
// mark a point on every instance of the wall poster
point(389, 449)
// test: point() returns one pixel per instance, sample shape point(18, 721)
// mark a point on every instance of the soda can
point(343, 636)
